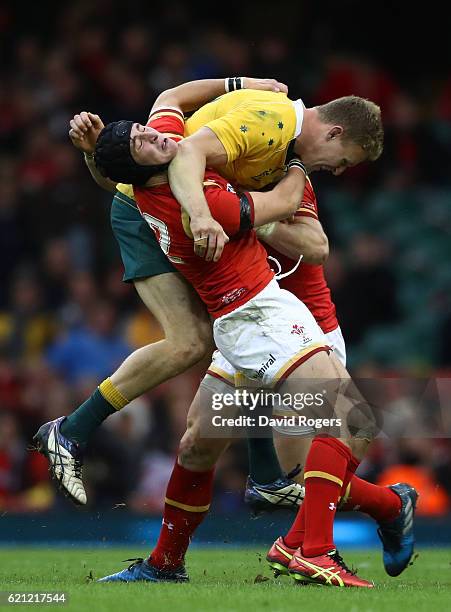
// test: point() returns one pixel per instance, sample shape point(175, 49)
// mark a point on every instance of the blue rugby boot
point(397, 536)
point(65, 459)
point(141, 570)
point(281, 493)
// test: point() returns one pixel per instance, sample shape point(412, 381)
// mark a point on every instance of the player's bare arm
point(85, 127)
point(186, 175)
point(283, 200)
point(303, 236)
point(190, 96)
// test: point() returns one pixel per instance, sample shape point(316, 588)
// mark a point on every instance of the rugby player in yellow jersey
point(248, 136)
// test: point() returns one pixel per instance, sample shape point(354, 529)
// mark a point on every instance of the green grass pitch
point(222, 580)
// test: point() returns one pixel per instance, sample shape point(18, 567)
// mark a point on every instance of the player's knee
point(194, 455)
point(195, 350)
point(188, 442)
point(193, 345)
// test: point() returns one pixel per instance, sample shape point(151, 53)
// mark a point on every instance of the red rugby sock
point(381, 503)
point(295, 537)
point(188, 498)
point(350, 473)
point(325, 471)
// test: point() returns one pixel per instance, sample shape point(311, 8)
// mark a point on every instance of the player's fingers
point(85, 118)
point(276, 86)
point(221, 240)
point(211, 247)
point(200, 250)
point(73, 122)
point(282, 87)
point(95, 120)
point(200, 246)
point(80, 124)
point(75, 131)
point(74, 135)
point(219, 248)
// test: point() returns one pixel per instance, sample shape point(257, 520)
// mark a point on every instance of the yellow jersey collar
point(299, 110)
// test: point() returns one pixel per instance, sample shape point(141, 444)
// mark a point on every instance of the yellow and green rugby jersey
point(256, 129)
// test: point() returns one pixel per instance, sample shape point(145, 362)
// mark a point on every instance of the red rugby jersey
point(243, 270)
point(308, 282)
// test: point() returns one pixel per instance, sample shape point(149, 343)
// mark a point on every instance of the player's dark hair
point(114, 160)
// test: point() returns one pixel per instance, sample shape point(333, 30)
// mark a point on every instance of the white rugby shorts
point(265, 339)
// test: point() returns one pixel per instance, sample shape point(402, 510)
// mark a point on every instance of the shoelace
point(139, 560)
point(340, 561)
point(78, 468)
point(62, 461)
point(136, 561)
point(292, 497)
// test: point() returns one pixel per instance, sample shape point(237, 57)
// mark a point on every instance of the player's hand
point(209, 238)
point(264, 84)
point(84, 131)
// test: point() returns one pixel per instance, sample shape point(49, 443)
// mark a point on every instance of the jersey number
point(161, 230)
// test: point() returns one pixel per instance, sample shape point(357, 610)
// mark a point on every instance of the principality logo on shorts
point(233, 295)
point(265, 365)
point(299, 330)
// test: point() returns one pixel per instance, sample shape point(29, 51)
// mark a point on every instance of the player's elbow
point(292, 206)
point(168, 98)
point(319, 253)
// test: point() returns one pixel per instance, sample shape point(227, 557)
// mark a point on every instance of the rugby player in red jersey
point(253, 318)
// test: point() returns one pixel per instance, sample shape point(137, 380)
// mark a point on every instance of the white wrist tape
point(296, 163)
point(233, 83)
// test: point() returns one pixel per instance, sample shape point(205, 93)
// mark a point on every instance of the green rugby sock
point(264, 465)
point(81, 424)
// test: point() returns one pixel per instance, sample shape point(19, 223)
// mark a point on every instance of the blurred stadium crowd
point(66, 318)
